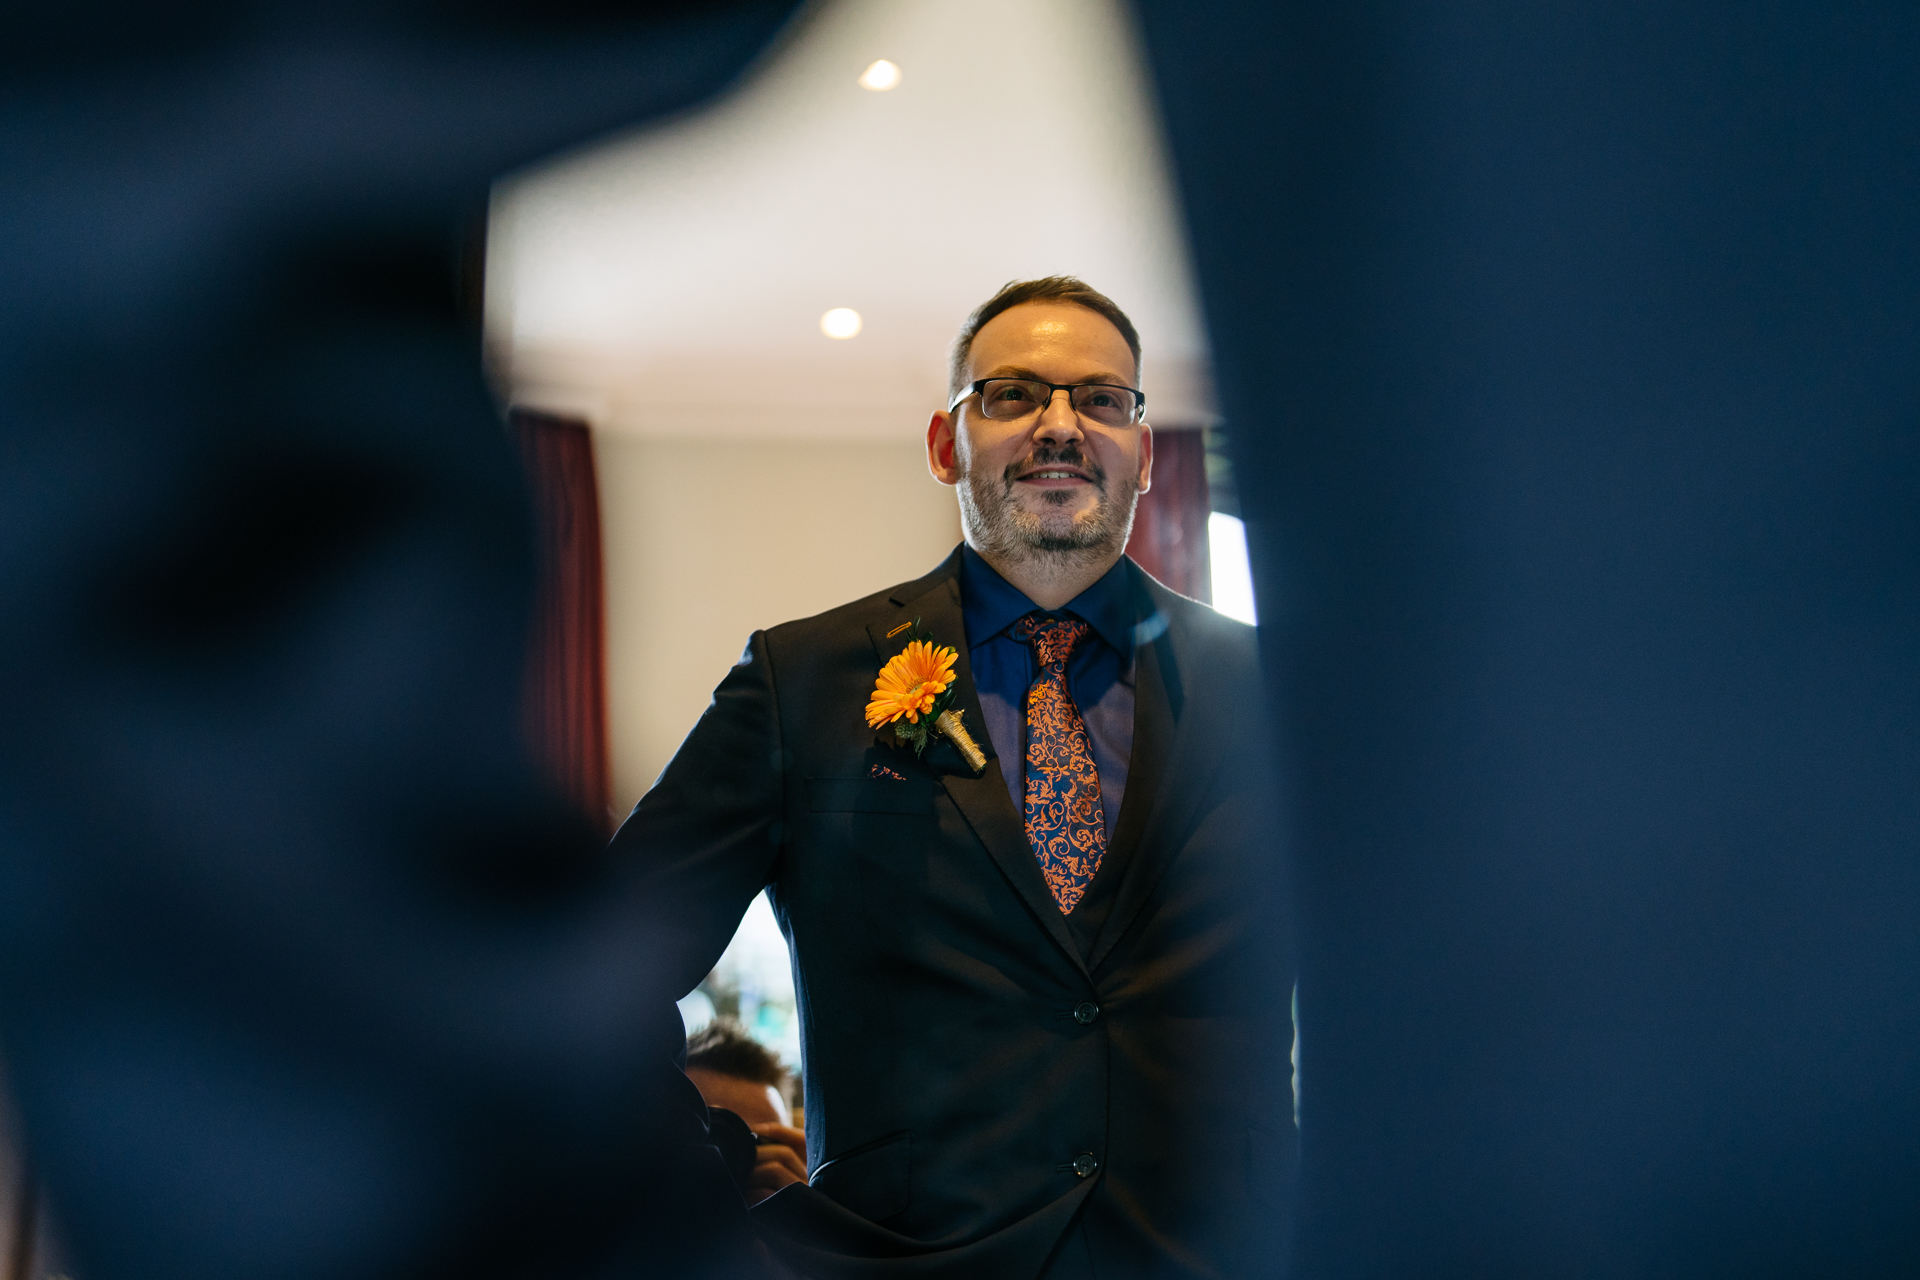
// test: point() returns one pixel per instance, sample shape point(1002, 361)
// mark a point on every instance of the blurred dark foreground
point(306, 971)
point(1570, 357)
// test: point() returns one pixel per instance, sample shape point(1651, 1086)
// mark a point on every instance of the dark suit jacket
point(950, 1086)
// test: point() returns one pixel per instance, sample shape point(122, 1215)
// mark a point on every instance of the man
point(737, 1074)
point(1038, 999)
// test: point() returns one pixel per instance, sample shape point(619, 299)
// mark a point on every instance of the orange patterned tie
point(1065, 825)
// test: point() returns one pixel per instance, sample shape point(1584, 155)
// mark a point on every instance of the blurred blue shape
point(1571, 353)
point(303, 971)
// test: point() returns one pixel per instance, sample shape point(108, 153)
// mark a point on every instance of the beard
point(998, 524)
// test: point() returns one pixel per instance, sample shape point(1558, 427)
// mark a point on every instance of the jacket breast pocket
point(911, 796)
point(885, 831)
point(870, 1180)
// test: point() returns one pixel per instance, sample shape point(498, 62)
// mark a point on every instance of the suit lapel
point(1157, 727)
point(983, 800)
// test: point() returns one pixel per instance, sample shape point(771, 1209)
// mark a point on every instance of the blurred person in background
point(736, 1073)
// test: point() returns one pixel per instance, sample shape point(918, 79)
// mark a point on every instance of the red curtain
point(567, 673)
point(1170, 525)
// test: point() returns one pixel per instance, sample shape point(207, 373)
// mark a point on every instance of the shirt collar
point(990, 604)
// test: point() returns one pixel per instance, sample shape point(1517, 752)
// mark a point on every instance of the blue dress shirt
point(1099, 674)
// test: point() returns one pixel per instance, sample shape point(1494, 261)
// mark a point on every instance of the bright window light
point(753, 982)
point(880, 77)
point(841, 322)
point(1232, 575)
point(696, 1010)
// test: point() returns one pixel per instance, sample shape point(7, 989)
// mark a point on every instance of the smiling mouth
point(1056, 474)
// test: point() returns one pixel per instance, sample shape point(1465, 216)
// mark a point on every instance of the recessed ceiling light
point(880, 77)
point(841, 322)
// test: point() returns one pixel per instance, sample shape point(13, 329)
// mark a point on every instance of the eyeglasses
point(1010, 399)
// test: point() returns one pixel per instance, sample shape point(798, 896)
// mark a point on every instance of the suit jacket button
point(1084, 1164)
point(1085, 1012)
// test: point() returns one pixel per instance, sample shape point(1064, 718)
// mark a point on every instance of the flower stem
point(949, 724)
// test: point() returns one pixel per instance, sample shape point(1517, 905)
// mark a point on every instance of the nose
point(1059, 420)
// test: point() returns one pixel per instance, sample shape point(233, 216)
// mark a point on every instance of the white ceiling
point(670, 282)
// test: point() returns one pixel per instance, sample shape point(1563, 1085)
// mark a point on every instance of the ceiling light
point(880, 77)
point(841, 322)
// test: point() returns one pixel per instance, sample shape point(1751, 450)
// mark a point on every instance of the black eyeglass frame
point(1139, 397)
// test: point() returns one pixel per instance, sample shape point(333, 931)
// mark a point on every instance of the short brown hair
point(1046, 289)
point(724, 1048)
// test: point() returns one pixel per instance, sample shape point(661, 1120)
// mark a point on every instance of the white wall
point(705, 540)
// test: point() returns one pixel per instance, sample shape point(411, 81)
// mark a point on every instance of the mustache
point(1066, 455)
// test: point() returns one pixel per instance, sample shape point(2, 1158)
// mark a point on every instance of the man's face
point(1051, 482)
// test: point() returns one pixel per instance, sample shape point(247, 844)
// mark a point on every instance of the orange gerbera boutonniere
point(911, 682)
point(914, 693)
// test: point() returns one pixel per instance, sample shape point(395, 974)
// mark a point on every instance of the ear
point(1146, 457)
point(940, 448)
